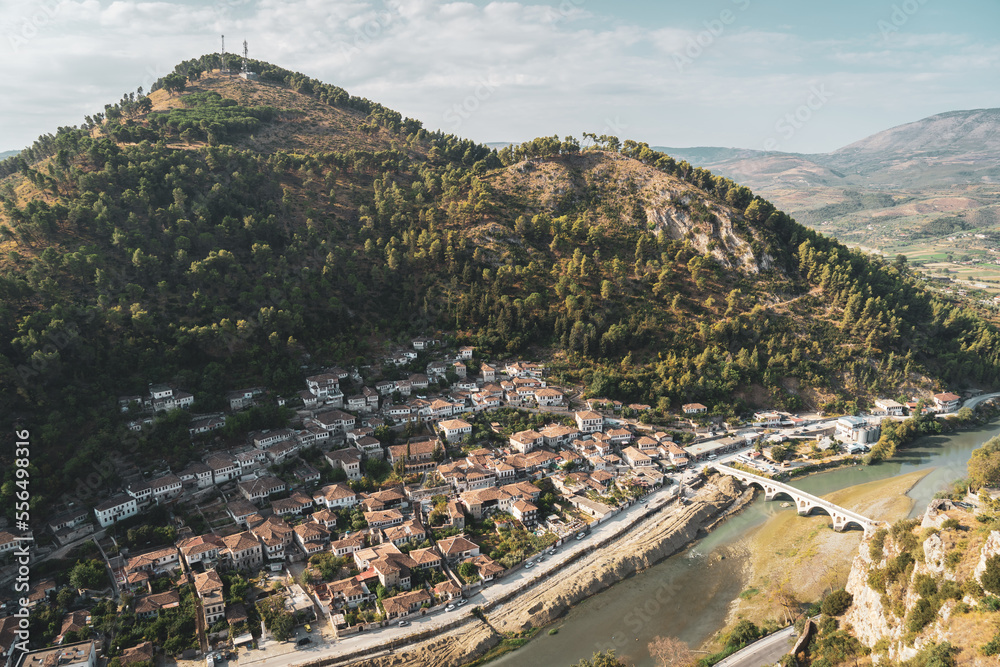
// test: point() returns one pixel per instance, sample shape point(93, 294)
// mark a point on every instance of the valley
point(927, 190)
point(287, 360)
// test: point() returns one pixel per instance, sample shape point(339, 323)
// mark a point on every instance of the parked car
point(581, 536)
point(450, 607)
point(308, 627)
point(403, 624)
point(529, 564)
point(552, 551)
point(304, 641)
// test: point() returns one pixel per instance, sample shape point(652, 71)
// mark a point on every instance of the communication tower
point(246, 73)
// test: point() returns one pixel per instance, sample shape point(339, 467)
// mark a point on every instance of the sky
point(764, 74)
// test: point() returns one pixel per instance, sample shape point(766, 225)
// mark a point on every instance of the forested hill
point(218, 233)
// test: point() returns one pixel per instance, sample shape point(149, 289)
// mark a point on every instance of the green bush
point(744, 633)
point(836, 603)
point(992, 647)
point(925, 586)
point(876, 549)
point(935, 655)
point(921, 615)
point(991, 575)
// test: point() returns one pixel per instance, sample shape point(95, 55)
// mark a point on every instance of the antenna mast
point(246, 73)
point(222, 65)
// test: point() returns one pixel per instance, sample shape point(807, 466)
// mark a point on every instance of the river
point(689, 594)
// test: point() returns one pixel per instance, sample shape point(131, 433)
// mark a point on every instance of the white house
point(115, 509)
point(526, 441)
point(455, 429)
point(889, 407)
point(589, 421)
point(946, 402)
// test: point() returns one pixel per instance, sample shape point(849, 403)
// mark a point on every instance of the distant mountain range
point(953, 148)
point(912, 184)
point(6, 154)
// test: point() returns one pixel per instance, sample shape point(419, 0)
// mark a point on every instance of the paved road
point(766, 651)
point(973, 402)
point(281, 655)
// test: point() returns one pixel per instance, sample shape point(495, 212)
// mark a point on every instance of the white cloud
point(550, 67)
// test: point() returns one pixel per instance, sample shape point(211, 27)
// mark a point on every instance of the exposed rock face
point(991, 548)
point(876, 616)
point(934, 557)
point(866, 615)
point(668, 204)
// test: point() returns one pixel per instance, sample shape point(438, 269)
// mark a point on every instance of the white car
point(450, 607)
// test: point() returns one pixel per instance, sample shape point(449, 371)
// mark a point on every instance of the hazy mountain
point(957, 147)
point(6, 154)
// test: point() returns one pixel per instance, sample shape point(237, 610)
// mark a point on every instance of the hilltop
point(238, 233)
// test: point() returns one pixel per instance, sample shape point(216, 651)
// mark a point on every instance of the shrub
point(921, 615)
point(877, 547)
point(836, 603)
point(878, 580)
point(925, 586)
point(972, 588)
point(991, 575)
point(990, 603)
point(949, 590)
point(950, 524)
point(744, 633)
point(992, 647)
point(935, 655)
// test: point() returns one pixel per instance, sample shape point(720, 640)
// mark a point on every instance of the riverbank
point(646, 543)
point(803, 557)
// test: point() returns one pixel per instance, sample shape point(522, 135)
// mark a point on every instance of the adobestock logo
point(714, 28)
point(900, 16)
point(27, 28)
point(789, 124)
point(457, 114)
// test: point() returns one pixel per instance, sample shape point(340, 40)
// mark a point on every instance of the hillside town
point(388, 495)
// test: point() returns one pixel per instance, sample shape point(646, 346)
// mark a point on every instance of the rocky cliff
point(919, 584)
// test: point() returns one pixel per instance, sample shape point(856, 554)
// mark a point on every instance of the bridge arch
point(784, 494)
point(805, 503)
point(852, 522)
point(809, 509)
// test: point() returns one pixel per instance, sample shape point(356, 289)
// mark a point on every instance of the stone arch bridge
point(805, 503)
